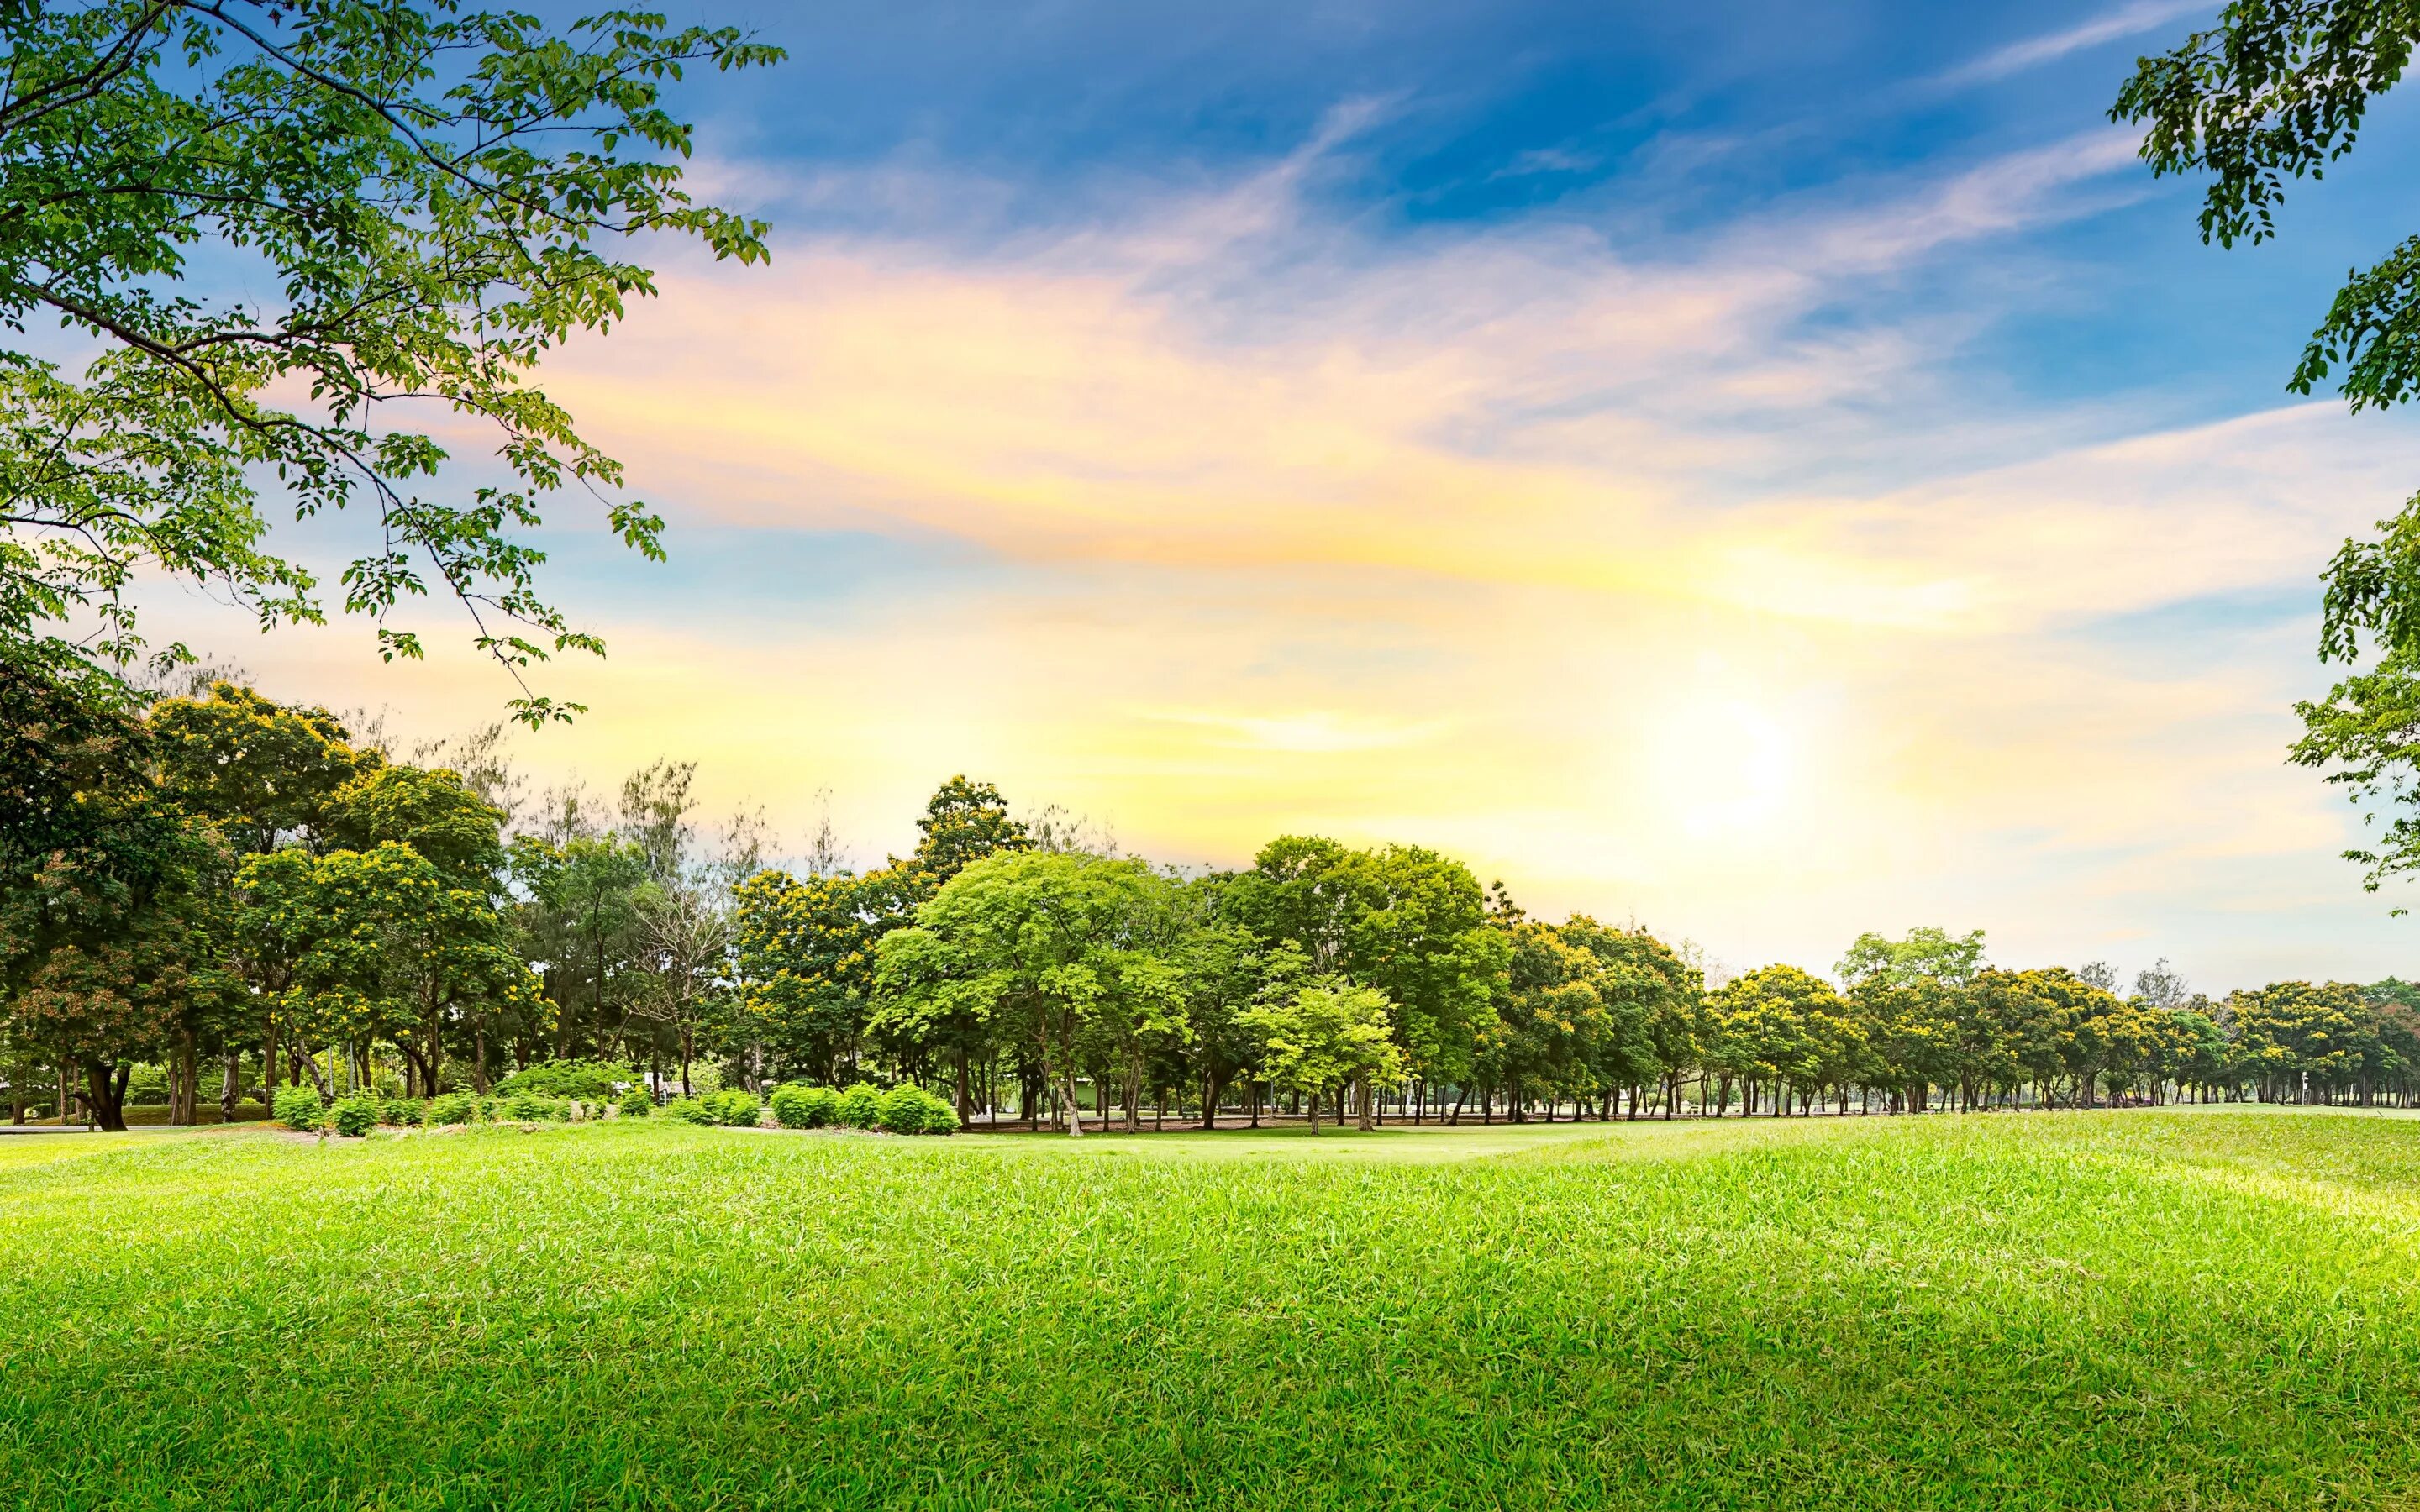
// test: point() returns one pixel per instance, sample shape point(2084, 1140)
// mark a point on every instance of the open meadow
point(2191, 1308)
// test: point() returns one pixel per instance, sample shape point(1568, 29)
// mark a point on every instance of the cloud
point(1691, 580)
point(2032, 51)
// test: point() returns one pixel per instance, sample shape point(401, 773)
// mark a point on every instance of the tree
point(1929, 951)
point(1226, 969)
point(2297, 1038)
point(963, 822)
point(1654, 1003)
point(1334, 1034)
point(2275, 91)
point(427, 189)
point(685, 939)
point(266, 773)
point(111, 953)
point(436, 814)
point(112, 914)
point(581, 920)
point(1049, 951)
point(806, 945)
point(1777, 1027)
point(1402, 918)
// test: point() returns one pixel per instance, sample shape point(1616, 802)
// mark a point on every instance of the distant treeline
point(227, 894)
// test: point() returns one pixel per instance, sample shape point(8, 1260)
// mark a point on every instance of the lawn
point(2136, 1309)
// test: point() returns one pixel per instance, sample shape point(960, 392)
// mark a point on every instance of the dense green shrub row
point(904, 1109)
point(301, 1108)
point(588, 1081)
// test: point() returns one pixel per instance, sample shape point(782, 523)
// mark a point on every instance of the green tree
point(427, 189)
point(1401, 918)
point(964, 822)
point(580, 922)
point(1926, 952)
point(2275, 92)
point(1048, 950)
point(266, 773)
point(1330, 1035)
point(436, 814)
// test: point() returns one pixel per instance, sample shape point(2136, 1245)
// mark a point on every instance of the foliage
point(637, 1103)
point(427, 189)
point(2276, 91)
point(798, 1105)
point(451, 1107)
point(1929, 952)
point(735, 1107)
point(907, 1109)
point(300, 1108)
point(2367, 729)
point(1328, 1037)
point(688, 1110)
point(591, 1081)
point(860, 1107)
point(356, 1115)
point(531, 1108)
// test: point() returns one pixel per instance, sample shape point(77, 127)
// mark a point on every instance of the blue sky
point(1774, 472)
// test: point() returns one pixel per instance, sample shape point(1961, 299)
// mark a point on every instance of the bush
point(638, 1103)
point(902, 1110)
point(860, 1107)
point(356, 1115)
point(688, 1110)
point(410, 1113)
point(300, 1108)
point(798, 1105)
point(737, 1108)
point(941, 1116)
point(454, 1107)
point(531, 1107)
point(590, 1081)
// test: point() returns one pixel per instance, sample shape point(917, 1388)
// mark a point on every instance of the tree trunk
point(1314, 1110)
point(105, 1095)
point(1075, 1108)
point(966, 1108)
point(1369, 1110)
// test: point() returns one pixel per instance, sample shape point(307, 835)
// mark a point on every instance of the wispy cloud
point(1686, 580)
point(2032, 51)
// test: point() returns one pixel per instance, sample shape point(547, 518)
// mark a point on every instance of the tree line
point(227, 895)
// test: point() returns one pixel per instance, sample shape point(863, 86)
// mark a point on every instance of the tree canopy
point(429, 192)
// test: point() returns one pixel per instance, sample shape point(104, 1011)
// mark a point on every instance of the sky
point(1768, 472)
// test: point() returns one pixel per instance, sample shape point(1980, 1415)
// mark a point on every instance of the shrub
point(798, 1105)
point(941, 1116)
point(590, 1081)
point(688, 1110)
point(860, 1107)
point(638, 1103)
point(454, 1107)
point(356, 1115)
point(531, 1107)
point(298, 1107)
point(902, 1110)
point(409, 1113)
point(738, 1108)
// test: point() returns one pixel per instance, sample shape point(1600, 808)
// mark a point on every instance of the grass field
point(2191, 1309)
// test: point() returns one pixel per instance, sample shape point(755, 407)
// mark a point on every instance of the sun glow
point(1726, 766)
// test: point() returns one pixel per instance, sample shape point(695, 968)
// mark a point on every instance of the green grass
point(2188, 1310)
